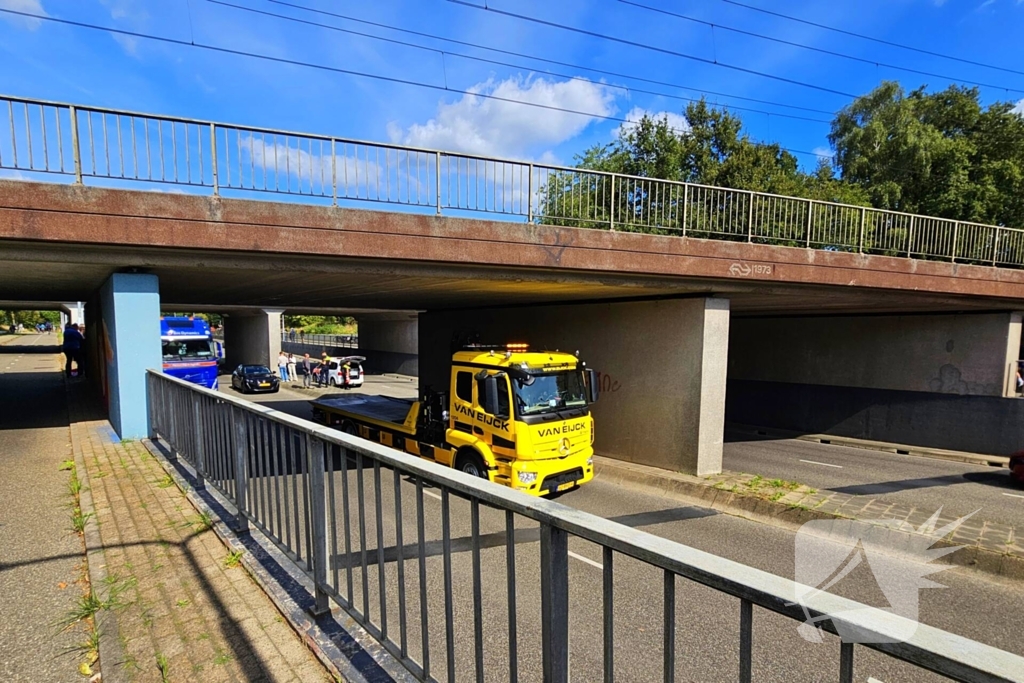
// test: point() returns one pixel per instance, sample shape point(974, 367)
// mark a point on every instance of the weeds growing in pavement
point(203, 522)
point(79, 519)
point(163, 666)
point(67, 465)
point(165, 482)
point(233, 559)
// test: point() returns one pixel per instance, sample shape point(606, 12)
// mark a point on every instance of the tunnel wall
point(975, 424)
point(252, 338)
point(968, 354)
point(661, 364)
point(392, 336)
point(938, 381)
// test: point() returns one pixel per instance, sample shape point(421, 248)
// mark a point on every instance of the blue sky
point(46, 60)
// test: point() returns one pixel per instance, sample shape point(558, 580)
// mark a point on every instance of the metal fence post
point(213, 158)
point(611, 208)
point(437, 179)
point(200, 462)
point(686, 205)
point(860, 241)
point(910, 235)
point(334, 174)
point(750, 218)
point(75, 151)
point(318, 521)
point(810, 218)
point(554, 603)
point(529, 197)
point(995, 247)
point(956, 236)
point(240, 452)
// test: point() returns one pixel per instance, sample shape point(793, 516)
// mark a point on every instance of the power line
point(348, 72)
point(872, 38)
point(654, 48)
point(546, 60)
point(833, 53)
point(500, 63)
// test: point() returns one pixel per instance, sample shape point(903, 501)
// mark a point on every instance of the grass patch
point(755, 482)
point(165, 482)
point(86, 607)
point(222, 658)
point(776, 496)
point(79, 520)
point(202, 522)
point(67, 466)
point(163, 666)
point(183, 603)
point(233, 559)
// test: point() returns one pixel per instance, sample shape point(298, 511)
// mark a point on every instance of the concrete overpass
point(837, 314)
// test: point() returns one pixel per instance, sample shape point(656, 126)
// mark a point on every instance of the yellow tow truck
point(514, 416)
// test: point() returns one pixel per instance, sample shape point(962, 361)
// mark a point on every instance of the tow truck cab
point(517, 417)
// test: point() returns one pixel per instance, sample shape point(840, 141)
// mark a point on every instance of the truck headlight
point(590, 462)
point(527, 477)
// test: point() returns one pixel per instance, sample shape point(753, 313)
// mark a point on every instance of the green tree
point(940, 154)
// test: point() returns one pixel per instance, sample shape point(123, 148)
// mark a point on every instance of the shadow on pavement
point(8, 349)
point(882, 487)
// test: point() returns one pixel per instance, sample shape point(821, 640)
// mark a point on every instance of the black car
point(254, 378)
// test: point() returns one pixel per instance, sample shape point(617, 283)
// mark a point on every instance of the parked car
point(1017, 466)
point(346, 371)
point(255, 378)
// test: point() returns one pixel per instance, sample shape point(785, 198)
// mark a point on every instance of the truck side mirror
point(490, 397)
point(592, 389)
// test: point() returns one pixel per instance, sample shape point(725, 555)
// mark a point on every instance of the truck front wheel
point(471, 463)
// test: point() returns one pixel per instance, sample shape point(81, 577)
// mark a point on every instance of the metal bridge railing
point(323, 341)
point(351, 515)
point(130, 148)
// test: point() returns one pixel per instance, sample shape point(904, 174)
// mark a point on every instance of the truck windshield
point(187, 349)
point(551, 392)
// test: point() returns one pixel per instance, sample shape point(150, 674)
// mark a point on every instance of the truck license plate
point(264, 384)
point(566, 486)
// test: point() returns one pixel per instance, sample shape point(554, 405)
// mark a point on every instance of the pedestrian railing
point(127, 148)
point(352, 515)
point(322, 341)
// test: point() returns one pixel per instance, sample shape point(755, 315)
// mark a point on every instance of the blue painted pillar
point(129, 345)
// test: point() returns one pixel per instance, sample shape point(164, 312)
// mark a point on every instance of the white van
point(346, 371)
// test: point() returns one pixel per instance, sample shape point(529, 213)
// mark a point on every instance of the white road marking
point(1013, 495)
point(432, 494)
point(586, 559)
point(815, 462)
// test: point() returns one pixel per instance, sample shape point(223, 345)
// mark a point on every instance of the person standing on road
point(282, 366)
point(325, 369)
point(291, 368)
point(72, 348)
point(307, 372)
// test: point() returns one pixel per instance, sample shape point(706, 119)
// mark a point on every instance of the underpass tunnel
point(661, 365)
point(938, 380)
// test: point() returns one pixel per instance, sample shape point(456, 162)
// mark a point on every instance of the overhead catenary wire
point(444, 53)
point(654, 48)
point(873, 39)
point(546, 60)
point(821, 50)
point(347, 72)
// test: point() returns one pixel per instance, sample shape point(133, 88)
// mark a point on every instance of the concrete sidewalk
point(175, 604)
point(993, 548)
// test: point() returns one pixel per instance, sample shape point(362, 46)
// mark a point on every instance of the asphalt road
point(707, 622)
point(912, 481)
point(40, 555)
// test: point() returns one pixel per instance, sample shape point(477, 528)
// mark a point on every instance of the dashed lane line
point(825, 464)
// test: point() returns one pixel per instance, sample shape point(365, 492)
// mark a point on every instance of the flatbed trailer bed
point(385, 420)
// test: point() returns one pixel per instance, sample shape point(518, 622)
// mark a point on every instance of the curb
point(675, 485)
point(850, 442)
point(335, 639)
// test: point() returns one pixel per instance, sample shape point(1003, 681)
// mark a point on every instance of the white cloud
point(26, 6)
point(676, 122)
point(503, 128)
point(1019, 109)
point(822, 152)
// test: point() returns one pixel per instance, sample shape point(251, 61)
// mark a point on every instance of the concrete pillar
point(662, 368)
point(1013, 334)
point(129, 344)
point(252, 338)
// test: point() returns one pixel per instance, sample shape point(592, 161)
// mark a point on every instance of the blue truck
point(189, 350)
